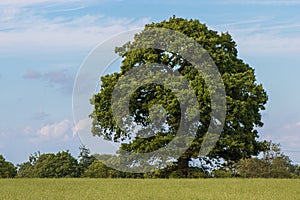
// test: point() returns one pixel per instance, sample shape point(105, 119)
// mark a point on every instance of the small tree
point(273, 164)
point(26, 169)
point(7, 169)
point(85, 158)
point(252, 168)
point(66, 165)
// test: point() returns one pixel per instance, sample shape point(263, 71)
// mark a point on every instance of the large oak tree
point(245, 98)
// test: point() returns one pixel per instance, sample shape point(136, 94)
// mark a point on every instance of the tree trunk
point(183, 165)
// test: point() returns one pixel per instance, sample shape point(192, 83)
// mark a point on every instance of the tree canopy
point(7, 169)
point(85, 159)
point(50, 165)
point(273, 164)
point(245, 98)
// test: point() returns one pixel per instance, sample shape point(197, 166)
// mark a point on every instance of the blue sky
point(44, 42)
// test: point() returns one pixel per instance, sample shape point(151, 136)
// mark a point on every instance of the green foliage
point(7, 169)
point(25, 170)
point(296, 171)
point(98, 170)
point(85, 158)
point(59, 165)
point(245, 98)
point(222, 173)
point(172, 171)
point(273, 164)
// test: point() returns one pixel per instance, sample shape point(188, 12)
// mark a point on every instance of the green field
point(150, 189)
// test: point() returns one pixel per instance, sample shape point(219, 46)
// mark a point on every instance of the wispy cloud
point(268, 44)
point(31, 26)
point(66, 9)
point(262, 2)
point(30, 74)
point(290, 136)
point(60, 78)
point(27, 33)
point(265, 36)
point(19, 3)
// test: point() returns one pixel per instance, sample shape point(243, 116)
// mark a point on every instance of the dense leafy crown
point(244, 96)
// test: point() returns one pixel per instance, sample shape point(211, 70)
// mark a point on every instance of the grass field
point(149, 189)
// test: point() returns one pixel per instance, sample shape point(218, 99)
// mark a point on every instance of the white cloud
point(62, 130)
point(82, 125)
point(58, 131)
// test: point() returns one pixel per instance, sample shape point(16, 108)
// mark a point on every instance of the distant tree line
point(271, 164)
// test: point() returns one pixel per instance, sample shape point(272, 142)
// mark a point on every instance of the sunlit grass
point(150, 189)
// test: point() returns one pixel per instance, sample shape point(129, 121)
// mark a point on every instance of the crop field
point(150, 189)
